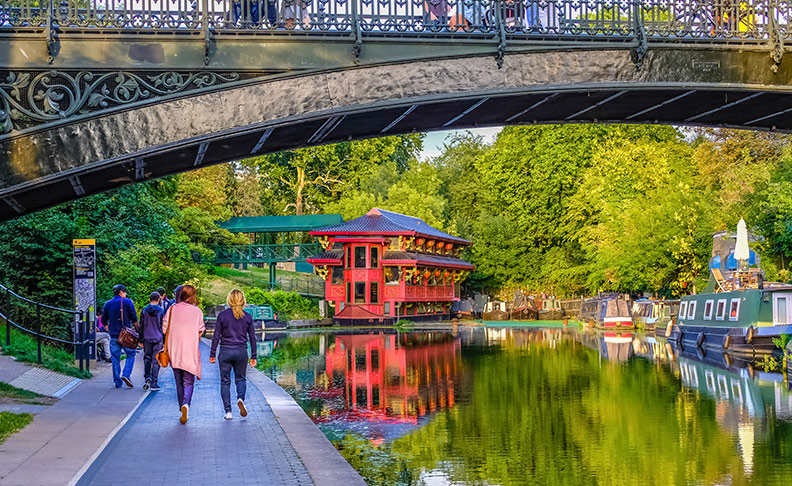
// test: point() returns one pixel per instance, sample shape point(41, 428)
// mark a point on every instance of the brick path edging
point(324, 463)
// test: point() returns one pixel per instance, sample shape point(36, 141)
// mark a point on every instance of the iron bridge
point(96, 94)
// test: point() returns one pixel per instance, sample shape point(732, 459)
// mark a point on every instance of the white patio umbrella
point(741, 251)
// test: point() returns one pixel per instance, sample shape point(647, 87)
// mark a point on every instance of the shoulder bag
point(128, 338)
point(163, 358)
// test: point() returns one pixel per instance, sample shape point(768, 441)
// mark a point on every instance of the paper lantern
point(437, 273)
point(430, 243)
point(427, 274)
point(449, 246)
point(420, 241)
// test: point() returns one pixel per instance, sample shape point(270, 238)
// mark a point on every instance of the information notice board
point(85, 288)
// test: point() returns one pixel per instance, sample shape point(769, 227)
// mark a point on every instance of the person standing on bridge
point(120, 312)
point(233, 330)
point(184, 324)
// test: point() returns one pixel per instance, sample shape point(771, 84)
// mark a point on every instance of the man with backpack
point(151, 337)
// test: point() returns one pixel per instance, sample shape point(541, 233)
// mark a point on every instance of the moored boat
point(570, 308)
point(654, 316)
point(462, 310)
point(550, 310)
point(495, 311)
point(523, 308)
point(607, 311)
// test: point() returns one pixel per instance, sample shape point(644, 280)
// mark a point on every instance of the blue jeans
point(115, 356)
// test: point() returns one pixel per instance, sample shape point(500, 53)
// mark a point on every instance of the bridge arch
point(706, 86)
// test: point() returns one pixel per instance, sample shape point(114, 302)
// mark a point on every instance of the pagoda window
point(387, 310)
point(391, 275)
point(338, 275)
point(374, 293)
point(360, 292)
point(349, 292)
point(349, 257)
point(374, 261)
point(360, 257)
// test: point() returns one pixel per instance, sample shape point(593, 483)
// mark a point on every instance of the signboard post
point(85, 294)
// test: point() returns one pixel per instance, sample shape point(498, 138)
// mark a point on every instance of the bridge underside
point(43, 166)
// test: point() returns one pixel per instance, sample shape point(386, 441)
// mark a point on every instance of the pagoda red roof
point(387, 223)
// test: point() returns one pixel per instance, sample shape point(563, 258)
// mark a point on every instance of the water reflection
point(538, 406)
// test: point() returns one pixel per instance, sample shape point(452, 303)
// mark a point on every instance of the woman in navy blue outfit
point(233, 330)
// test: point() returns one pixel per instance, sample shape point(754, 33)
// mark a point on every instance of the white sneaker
point(185, 413)
point(242, 409)
point(228, 416)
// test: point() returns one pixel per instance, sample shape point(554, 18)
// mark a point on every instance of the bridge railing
point(71, 327)
point(744, 21)
point(281, 252)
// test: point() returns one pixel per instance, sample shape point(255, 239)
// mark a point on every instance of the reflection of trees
point(553, 417)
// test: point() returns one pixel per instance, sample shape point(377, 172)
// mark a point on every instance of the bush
point(288, 305)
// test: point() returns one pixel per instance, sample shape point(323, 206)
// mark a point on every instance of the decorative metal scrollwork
point(27, 99)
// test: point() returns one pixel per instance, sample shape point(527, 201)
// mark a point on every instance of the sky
point(433, 143)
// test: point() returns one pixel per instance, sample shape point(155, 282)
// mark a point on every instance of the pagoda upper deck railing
point(757, 22)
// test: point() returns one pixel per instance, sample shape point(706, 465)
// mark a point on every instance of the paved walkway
point(62, 438)
point(209, 450)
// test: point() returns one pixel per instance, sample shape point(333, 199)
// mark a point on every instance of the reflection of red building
point(394, 378)
point(388, 266)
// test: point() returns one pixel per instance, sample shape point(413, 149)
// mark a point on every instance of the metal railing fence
point(37, 319)
point(744, 21)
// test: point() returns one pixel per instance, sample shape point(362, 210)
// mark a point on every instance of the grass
point(10, 423)
point(23, 347)
point(216, 290)
point(8, 391)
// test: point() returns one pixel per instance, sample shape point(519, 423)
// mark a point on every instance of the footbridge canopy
point(97, 94)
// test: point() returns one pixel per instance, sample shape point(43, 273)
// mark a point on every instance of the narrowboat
point(523, 308)
point(550, 310)
point(571, 308)
point(607, 311)
point(654, 316)
point(462, 310)
point(495, 311)
point(741, 320)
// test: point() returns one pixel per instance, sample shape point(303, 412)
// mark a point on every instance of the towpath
point(275, 444)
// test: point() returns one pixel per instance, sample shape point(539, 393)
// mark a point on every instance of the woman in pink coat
point(183, 325)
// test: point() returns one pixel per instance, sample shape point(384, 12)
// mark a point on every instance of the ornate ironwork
point(30, 98)
point(678, 20)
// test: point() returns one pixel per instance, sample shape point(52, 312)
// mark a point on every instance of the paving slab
point(54, 449)
point(45, 382)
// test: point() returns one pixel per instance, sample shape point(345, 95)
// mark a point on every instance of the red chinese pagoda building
point(386, 266)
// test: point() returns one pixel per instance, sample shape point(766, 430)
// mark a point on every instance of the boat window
point(360, 292)
point(360, 257)
point(387, 308)
point(682, 310)
point(708, 306)
point(781, 308)
point(720, 311)
point(692, 310)
point(338, 276)
point(734, 310)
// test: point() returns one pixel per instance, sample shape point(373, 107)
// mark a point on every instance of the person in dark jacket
point(233, 330)
point(151, 336)
point(120, 312)
point(164, 302)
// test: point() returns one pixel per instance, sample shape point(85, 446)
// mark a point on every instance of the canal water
point(543, 406)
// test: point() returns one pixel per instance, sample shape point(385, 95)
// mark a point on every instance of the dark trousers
point(236, 359)
point(150, 364)
point(185, 382)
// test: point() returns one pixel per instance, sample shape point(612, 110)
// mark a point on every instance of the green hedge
point(288, 305)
